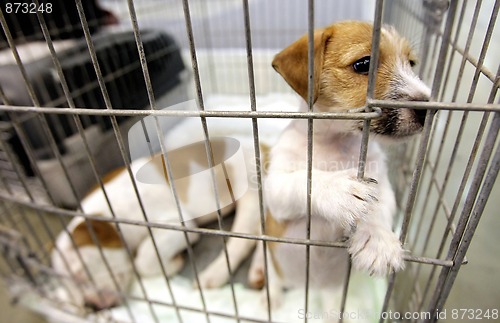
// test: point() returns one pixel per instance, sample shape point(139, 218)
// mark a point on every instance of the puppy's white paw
point(214, 275)
point(356, 200)
point(379, 253)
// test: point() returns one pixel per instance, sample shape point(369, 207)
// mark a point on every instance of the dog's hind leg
point(256, 274)
point(246, 221)
point(169, 244)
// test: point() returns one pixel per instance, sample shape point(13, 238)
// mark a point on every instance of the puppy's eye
point(362, 66)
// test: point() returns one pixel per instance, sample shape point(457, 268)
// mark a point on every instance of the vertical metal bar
point(431, 66)
point(475, 80)
point(199, 96)
point(210, 157)
point(372, 78)
point(442, 290)
point(462, 125)
point(423, 142)
point(463, 184)
point(25, 185)
point(152, 103)
point(434, 133)
point(450, 113)
point(345, 290)
point(121, 147)
point(473, 222)
point(310, 139)
point(258, 158)
point(428, 122)
point(211, 61)
point(468, 44)
point(34, 99)
point(15, 53)
point(18, 258)
point(24, 141)
point(80, 130)
point(455, 41)
point(469, 218)
point(28, 224)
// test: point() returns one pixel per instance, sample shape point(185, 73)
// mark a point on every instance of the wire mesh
point(227, 47)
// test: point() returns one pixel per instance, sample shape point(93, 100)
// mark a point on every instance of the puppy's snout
point(99, 302)
point(93, 306)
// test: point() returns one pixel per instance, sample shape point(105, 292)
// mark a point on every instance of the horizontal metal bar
point(317, 243)
point(356, 114)
point(435, 105)
point(428, 260)
point(207, 114)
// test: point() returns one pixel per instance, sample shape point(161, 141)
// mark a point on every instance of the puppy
point(94, 285)
point(341, 204)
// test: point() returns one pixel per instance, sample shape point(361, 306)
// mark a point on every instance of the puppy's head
point(341, 63)
point(98, 290)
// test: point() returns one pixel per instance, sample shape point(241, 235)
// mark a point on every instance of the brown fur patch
point(105, 233)
point(159, 162)
point(106, 179)
point(180, 159)
point(260, 282)
point(292, 64)
point(336, 48)
point(274, 229)
point(265, 156)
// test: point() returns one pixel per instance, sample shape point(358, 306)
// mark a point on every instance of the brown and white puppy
point(341, 204)
point(95, 285)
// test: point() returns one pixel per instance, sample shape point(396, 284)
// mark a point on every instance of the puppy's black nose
point(420, 113)
point(95, 307)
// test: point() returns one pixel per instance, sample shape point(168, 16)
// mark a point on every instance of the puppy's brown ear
point(291, 63)
point(105, 232)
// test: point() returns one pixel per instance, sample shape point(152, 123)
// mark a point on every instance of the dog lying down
point(232, 142)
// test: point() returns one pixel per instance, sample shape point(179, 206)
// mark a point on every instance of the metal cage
point(59, 137)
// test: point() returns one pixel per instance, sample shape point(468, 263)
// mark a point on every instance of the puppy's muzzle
point(97, 302)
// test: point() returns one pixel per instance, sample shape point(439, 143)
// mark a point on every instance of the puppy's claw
point(370, 180)
point(359, 201)
point(359, 197)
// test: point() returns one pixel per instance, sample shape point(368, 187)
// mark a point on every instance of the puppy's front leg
point(337, 196)
point(373, 246)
